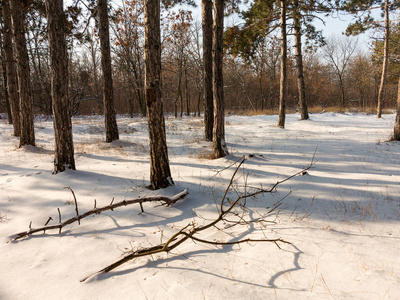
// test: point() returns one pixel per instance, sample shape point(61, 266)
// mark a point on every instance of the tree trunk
point(12, 80)
point(64, 146)
point(283, 80)
point(27, 136)
point(187, 90)
point(160, 174)
point(108, 96)
point(396, 135)
point(385, 61)
point(299, 63)
point(219, 145)
point(6, 98)
point(207, 22)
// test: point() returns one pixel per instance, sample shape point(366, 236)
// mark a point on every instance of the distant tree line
point(251, 75)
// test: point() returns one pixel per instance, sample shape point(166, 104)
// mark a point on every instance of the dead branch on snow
point(226, 211)
point(167, 201)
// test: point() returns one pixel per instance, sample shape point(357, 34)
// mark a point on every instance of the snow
point(341, 217)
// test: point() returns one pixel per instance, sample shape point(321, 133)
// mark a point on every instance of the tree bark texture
point(64, 146)
point(27, 135)
point(12, 80)
point(381, 92)
point(108, 96)
point(283, 80)
point(160, 174)
point(396, 135)
point(6, 98)
point(299, 63)
point(207, 23)
point(219, 145)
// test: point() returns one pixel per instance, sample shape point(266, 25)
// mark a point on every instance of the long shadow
point(296, 267)
point(207, 252)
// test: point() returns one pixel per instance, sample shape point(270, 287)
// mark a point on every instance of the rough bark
point(385, 61)
point(207, 22)
point(108, 96)
point(27, 135)
point(219, 145)
point(12, 81)
point(283, 79)
point(160, 174)
point(396, 135)
point(6, 98)
point(64, 146)
point(299, 63)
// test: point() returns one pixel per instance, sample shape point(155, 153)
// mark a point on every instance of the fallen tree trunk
point(168, 201)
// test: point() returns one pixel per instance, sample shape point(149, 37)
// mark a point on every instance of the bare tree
point(381, 92)
point(27, 136)
point(299, 62)
point(108, 94)
point(219, 145)
point(64, 146)
point(396, 135)
point(160, 174)
point(283, 80)
point(338, 53)
point(12, 81)
point(207, 21)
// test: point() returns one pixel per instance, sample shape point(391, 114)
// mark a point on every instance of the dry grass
point(249, 112)
point(314, 109)
point(206, 154)
point(338, 109)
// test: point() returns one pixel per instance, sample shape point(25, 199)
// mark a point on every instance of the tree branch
point(167, 201)
point(190, 230)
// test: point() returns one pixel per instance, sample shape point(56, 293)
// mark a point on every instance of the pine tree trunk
point(12, 80)
point(187, 98)
point(27, 136)
point(299, 63)
point(108, 96)
point(6, 98)
point(160, 174)
point(64, 146)
point(385, 61)
point(396, 135)
point(283, 80)
point(219, 145)
point(207, 22)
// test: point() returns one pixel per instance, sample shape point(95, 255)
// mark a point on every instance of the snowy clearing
point(342, 217)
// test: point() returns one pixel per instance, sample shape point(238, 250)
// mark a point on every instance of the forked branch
point(190, 231)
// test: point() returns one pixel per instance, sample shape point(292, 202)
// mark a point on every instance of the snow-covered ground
point(342, 218)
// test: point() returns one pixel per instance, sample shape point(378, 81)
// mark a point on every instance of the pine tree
point(11, 73)
point(219, 145)
point(27, 136)
point(108, 93)
point(64, 147)
point(160, 174)
point(207, 23)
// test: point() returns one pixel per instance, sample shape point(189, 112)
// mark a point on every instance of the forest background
point(334, 65)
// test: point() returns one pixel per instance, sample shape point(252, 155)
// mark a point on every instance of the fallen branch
point(192, 229)
point(168, 201)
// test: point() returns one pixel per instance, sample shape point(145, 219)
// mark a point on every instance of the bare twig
point(167, 201)
point(76, 203)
